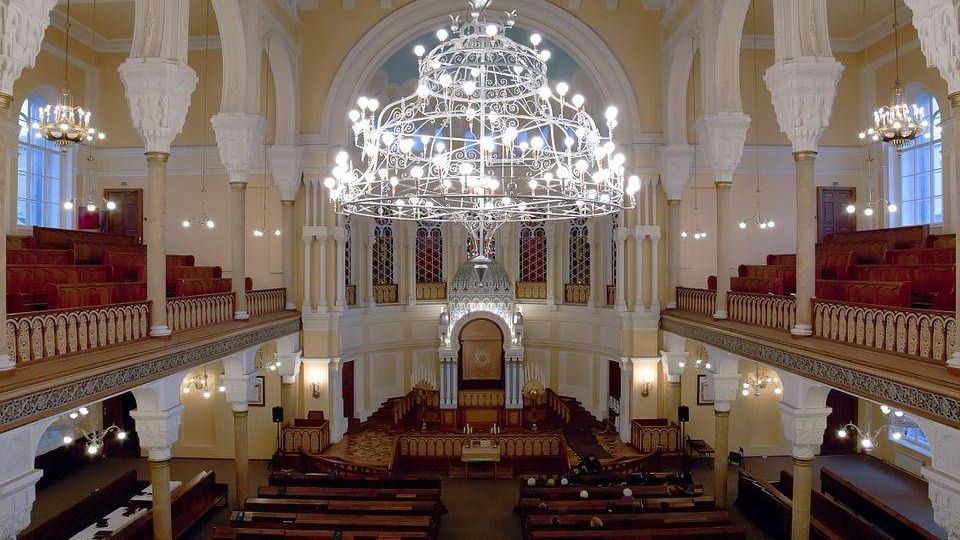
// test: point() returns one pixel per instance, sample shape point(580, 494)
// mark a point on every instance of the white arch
point(421, 17)
point(283, 67)
point(729, 35)
point(239, 24)
point(680, 64)
point(508, 346)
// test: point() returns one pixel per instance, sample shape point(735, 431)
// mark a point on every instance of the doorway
point(613, 405)
point(845, 408)
point(127, 218)
point(832, 216)
point(347, 378)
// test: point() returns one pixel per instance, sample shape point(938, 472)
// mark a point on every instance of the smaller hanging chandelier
point(758, 382)
point(260, 365)
point(899, 122)
point(65, 123)
point(204, 220)
point(702, 362)
point(761, 221)
point(96, 439)
point(872, 204)
point(896, 425)
point(199, 382)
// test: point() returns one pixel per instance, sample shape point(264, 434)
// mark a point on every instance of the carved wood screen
point(481, 352)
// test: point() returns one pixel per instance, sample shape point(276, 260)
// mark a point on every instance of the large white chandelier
point(484, 140)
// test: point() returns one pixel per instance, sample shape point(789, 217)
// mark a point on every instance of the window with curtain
point(533, 252)
point(429, 253)
point(921, 170)
point(579, 252)
point(383, 252)
point(39, 170)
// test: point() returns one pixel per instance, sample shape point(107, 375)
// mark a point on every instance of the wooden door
point(845, 409)
point(832, 216)
point(347, 379)
point(127, 217)
point(615, 391)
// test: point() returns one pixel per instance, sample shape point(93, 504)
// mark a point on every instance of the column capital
point(803, 91)
point(804, 428)
point(158, 431)
point(286, 167)
point(24, 22)
point(289, 365)
point(726, 387)
point(238, 135)
point(724, 135)
point(938, 27)
point(158, 93)
point(944, 492)
point(676, 166)
point(674, 364)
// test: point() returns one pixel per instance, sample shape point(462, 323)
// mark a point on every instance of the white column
point(596, 277)
point(724, 134)
point(307, 303)
point(238, 377)
point(18, 477)
point(550, 232)
point(286, 168)
point(625, 420)
point(448, 381)
point(238, 135)
point(340, 302)
point(322, 244)
point(655, 271)
point(639, 304)
point(943, 475)
point(622, 234)
point(371, 241)
point(411, 264)
point(676, 163)
point(725, 378)
point(513, 381)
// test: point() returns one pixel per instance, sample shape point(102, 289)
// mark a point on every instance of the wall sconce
point(646, 383)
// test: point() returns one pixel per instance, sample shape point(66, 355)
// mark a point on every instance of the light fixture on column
point(484, 140)
point(702, 361)
point(899, 122)
point(872, 205)
point(758, 381)
point(646, 383)
point(762, 222)
point(260, 365)
point(316, 389)
point(198, 382)
point(65, 123)
point(895, 421)
point(204, 220)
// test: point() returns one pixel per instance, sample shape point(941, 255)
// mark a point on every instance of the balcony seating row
point(935, 241)
point(47, 237)
point(759, 285)
point(932, 285)
point(910, 236)
point(41, 256)
point(193, 273)
point(27, 286)
point(74, 295)
point(133, 266)
point(918, 256)
point(884, 293)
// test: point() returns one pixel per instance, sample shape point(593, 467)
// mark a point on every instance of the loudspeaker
point(683, 413)
point(278, 415)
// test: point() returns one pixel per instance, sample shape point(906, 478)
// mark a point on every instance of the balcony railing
point(263, 301)
point(431, 291)
point(314, 440)
point(385, 294)
point(576, 294)
point(43, 334)
point(702, 301)
point(194, 311)
point(762, 309)
point(531, 290)
point(912, 332)
point(916, 332)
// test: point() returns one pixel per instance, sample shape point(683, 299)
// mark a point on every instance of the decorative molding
point(85, 35)
point(286, 167)
point(803, 90)
point(158, 92)
point(944, 492)
point(724, 135)
point(24, 409)
point(158, 431)
point(22, 25)
point(676, 165)
point(238, 135)
point(932, 405)
point(804, 428)
point(938, 27)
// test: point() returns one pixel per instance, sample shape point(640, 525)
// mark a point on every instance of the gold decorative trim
point(5, 101)
point(673, 202)
point(954, 100)
point(723, 184)
point(157, 157)
point(804, 155)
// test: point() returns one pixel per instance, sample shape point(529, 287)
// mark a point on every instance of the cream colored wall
point(871, 418)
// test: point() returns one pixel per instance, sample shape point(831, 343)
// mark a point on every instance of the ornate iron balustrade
point(263, 301)
point(194, 311)
point(703, 301)
point(768, 310)
point(38, 335)
point(915, 332)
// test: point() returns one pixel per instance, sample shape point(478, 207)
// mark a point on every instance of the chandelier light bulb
point(868, 211)
point(277, 232)
point(562, 89)
point(221, 389)
point(419, 50)
point(771, 224)
point(763, 225)
point(578, 100)
point(92, 449)
point(74, 415)
point(743, 225)
point(442, 34)
point(67, 439)
point(892, 208)
point(536, 39)
point(545, 55)
point(851, 209)
point(186, 389)
point(898, 414)
point(373, 105)
point(68, 205)
point(362, 102)
point(885, 409)
point(91, 207)
point(896, 435)
point(121, 435)
point(206, 394)
point(211, 224)
point(84, 411)
point(111, 205)
point(866, 443)
point(683, 234)
point(778, 391)
point(492, 30)
point(186, 224)
point(612, 113)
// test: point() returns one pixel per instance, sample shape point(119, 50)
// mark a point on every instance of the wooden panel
point(832, 216)
point(127, 218)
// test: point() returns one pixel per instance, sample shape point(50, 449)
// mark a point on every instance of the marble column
point(655, 272)
point(371, 245)
point(6, 145)
point(238, 251)
point(241, 454)
point(288, 219)
point(448, 381)
point(725, 377)
point(239, 369)
point(286, 169)
point(411, 266)
point(676, 166)
point(340, 300)
point(596, 277)
point(307, 302)
point(725, 229)
point(639, 305)
point(290, 357)
point(625, 419)
point(674, 363)
point(622, 233)
point(513, 382)
point(322, 304)
point(156, 242)
point(673, 250)
point(720, 464)
point(806, 241)
point(550, 232)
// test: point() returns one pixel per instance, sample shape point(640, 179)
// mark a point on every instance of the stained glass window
point(579, 252)
point(383, 252)
point(429, 253)
point(533, 252)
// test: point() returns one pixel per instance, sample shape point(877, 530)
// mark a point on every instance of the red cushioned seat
point(759, 285)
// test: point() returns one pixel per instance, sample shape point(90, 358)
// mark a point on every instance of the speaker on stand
point(683, 415)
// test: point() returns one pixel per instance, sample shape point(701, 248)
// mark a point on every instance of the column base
point(241, 316)
point(6, 362)
point(672, 305)
point(290, 306)
point(160, 331)
point(306, 309)
point(720, 314)
point(620, 307)
point(801, 330)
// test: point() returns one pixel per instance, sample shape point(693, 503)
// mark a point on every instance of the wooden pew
point(883, 293)
point(36, 257)
point(49, 237)
point(828, 514)
point(307, 492)
point(719, 532)
point(245, 533)
point(176, 273)
point(346, 522)
point(326, 506)
point(758, 285)
point(189, 503)
point(96, 252)
point(786, 273)
point(196, 287)
point(674, 504)
point(927, 281)
point(88, 510)
point(296, 478)
point(872, 508)
point(608, 492)
point(665, 520)
point(898, 237)
point(75, 295)
point(27, 286)
point(918, 256)
point(866, 252)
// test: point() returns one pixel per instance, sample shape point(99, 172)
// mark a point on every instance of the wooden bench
point(326, 506)
point(245, 533)
point(898, 237)
point(719, 532)
point(664, 520)
point(871, 508)
point(40, 256)
point(867, 252)
point(788, 274)
point(881, 293)
point(308, 492)
point(49, 237)
point(289, 520)
point(941, 241)
point(830, 515)
point(758, 285)
point(27, 285)
point(293, 478)
point(189, 503)
point(94, 294)
point(196, 287)
point(927, 282)
point(608, 492)
point(88, 510)
point(176, 273)
point(587, 506)
point(918, 256)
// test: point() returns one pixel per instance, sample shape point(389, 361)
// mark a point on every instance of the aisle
point(480, 510)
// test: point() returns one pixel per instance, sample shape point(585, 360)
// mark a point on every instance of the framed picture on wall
point(258, 395)
point(705, 392)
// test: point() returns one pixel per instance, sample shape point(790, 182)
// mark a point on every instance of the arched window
point(579, 252)
point(429, 252)
point(383, 252)
point(921, 170)
point(347, 252)
point(533, 252)
point(40, 170)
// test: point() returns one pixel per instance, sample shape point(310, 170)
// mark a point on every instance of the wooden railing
point(576, 294)
point(403, 407)
point(263, 301)
point(385, 294)
point(768, 310)
point(916, 332)
point(195, 311)
point(531, 290)
point(431, 291)
point(42, 334)
point(559, 406)
point(701, 301)
point(647, 436)
point(314, 440)
point(351, 294)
